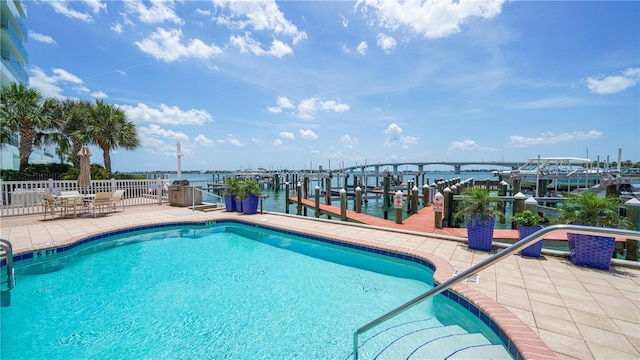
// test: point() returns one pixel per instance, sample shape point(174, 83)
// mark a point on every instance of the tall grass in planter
point(250, 196)
point(589, 209)
point(479, 208)
point(528, 223)
point(231, 189)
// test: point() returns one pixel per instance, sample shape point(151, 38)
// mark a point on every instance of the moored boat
point(554, 173)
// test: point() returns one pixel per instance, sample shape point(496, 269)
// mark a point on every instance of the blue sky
point(297, 84)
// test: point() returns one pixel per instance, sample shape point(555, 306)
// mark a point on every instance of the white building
point(13, 34)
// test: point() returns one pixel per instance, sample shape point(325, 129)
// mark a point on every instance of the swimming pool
point(223, 290)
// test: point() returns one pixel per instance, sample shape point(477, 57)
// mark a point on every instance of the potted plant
point(589, 209)
point(528, 223)
point(249, 193)
point(479, 209)
point(231, 188)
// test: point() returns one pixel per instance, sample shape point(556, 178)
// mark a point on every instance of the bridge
point(457, 165)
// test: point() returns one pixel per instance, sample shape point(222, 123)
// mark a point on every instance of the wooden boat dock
point(423, 221)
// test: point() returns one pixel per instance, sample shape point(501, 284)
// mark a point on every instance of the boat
point(555, 173)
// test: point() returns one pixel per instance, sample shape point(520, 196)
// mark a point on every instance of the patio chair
point(50, 205)
point(72, 200)
point(117, 198)
point(100, 200)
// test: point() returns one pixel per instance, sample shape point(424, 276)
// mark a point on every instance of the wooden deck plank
point(423, 221)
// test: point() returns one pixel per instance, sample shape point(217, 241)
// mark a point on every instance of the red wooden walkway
point(423, 221)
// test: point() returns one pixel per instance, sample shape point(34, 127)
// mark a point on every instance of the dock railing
point(578, 229)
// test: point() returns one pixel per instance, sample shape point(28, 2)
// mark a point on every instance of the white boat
point(555, 173)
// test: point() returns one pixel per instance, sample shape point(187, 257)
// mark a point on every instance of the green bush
point(526, 218)
point(587, 208)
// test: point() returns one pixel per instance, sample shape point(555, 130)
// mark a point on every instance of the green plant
point(526, 218)
point(478, 203)
point(248, 188)
point(231, 186)
point(587, 208)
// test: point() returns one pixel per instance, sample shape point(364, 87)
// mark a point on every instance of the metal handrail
point(193, 198)
point(8, 249)
point(578, 229)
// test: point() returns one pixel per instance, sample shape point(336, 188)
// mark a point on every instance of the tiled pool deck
point(548, 306)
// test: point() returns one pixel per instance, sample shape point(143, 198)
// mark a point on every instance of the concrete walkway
point(548, 306)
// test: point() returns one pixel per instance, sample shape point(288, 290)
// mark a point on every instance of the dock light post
point(343, 204)
point(397, 204)
point(358, 200)
point(414, 200)
point(299, 211)
point(286, 198)
point(425, 195)
point(438, 207)
point(448, 205)
point(317, 198)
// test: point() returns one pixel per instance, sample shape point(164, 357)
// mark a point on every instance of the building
point(13, 34)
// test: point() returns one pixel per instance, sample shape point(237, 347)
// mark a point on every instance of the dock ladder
point(7, 255)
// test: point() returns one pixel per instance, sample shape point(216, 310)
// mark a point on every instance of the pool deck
point(549, 307)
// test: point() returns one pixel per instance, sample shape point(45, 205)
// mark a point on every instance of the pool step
point(421, 340)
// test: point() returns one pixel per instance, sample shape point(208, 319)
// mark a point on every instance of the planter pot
point(250, 205)
point(229, 202)
point(480, 233)
point(238, 205)
point(534, 249)
point(591, 250)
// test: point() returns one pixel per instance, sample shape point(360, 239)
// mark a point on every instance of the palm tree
point(21, 112)
point(71, 121)
point(109, 129)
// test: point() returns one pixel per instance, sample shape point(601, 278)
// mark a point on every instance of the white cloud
point(117, 28)
point(166, 115)
point(308, 134)
point(385, 42)
point(258, 16)
point(362, 48)
point(345, 21)
point(157, 12)
point(247, 44)
point(284, 102)
point(258, 19)
point(155, 131)
point(286, 135)
point(614, 83)
point(256, 140)
point(49, 84)
point(277, 142)
point(167, 46)
point(99, 94)
point(96, 5)
point(430, 19)
point(308, 107)
point(347, 141)
point(233, 141)
point(469, 145)
point(202, 140)
point(41, 38)
point(393, 132)
point(553, 138)
point(394, 136)
point(61, 7)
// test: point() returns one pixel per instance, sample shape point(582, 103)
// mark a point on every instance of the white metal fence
point(25, 197)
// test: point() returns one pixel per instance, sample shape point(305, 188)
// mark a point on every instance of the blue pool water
point(218, 291)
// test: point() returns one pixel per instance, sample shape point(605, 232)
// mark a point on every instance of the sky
point(302, 84)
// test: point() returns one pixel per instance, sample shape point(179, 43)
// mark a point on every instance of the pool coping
point(518, 338)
